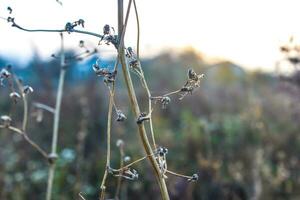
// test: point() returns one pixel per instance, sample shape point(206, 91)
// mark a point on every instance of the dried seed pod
point(162, 151)
point(106, 29)
point(119, 143)
point(143, 117)
point(81, 22)
point(134, 63)
point(52, 157)
point(192, 75)
point(6, 120)
point(127, 158)
point(193, 178)
point(165, 101)
point(27, 89)
point(120, 116)
point(14, 96)
point(4, 73)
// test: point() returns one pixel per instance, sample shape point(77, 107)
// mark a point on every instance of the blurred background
point(239, 131)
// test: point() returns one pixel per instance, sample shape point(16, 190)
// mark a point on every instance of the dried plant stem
point(25, 104)
point(120, 178)
point(132, 163)
point(56, 30)
point(179, 175)
point(25, 114)
point(56, 120)
point(142, 76)
point(138, 31)
point(144, 82)
point(136, 109)
point(108, 139)
point(27, 139)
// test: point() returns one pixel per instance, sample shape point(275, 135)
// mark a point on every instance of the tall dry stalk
point(136, 109)
point(53, 155)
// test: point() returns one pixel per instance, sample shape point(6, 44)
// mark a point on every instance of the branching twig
point(27, 139)
point(56, 30)
point(111, 104)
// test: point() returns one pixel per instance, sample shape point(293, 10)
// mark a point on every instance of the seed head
point(120, 116)
point(193, 178)
point(119, 143)
point(27, 89)
point(14, 96)
point(127, 158)
point(6, 120)
point(4, 73)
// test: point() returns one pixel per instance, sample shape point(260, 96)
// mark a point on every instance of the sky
point(248, 32)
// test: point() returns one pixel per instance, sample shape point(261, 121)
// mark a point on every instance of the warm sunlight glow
point(246, 32)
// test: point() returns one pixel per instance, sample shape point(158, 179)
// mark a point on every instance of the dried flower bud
point(120, 116)
point(14, 96)
point(81, 43)
point(127, 159)
point(143, 117)
point(129, 52)
point(162, 151)
point(130, 174)
point(9, 9)
point(119, 143)
point(106, 29)
point(192, 74)
point(81, 22)
point(52, 157)
point(69, 27)
point(4, 73)
point(27, 89)
point(134, 63)
point(11, 20)
point(188, 89)
point(6, 120)
point(165, 101)
point(193, 178)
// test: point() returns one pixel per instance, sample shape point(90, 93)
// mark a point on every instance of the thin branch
point(138, 31)
point(27, 139)
point(44, 107)
point(81, 196)
point(111, 104)
point(25, 103)
point(56, 30)
point(179, 175)
point(133, 163)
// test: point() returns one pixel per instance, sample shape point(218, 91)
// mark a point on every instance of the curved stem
point(144, 82)
point(111, 105)
point(179, 175)
point(138, 31)
point(25, 114)
point(27, 139)
point(136, 110)
point(25, 104)
point(108, 135)
point(56, 30)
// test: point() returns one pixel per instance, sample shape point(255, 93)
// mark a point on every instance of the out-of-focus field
point(239, 132)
